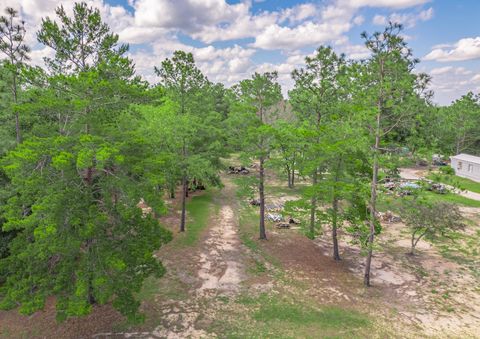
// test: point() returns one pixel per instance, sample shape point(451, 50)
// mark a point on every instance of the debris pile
point(388, 217)
point(438, 160)
point(438, 188)
point(237, 170)
point(401, 188)
point(275, 217)
point(254, 202)
point(274, 207)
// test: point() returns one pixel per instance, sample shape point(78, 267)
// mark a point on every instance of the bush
point(447, 170)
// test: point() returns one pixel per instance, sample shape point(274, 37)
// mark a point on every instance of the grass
point(282, 316)
point(453, 180)
point(452, 198)
point(198, 211)
point(285, 190)
point(328, 317)
point(393, 203)
point(170, 288)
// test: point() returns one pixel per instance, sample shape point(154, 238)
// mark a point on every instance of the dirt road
point(218, 264)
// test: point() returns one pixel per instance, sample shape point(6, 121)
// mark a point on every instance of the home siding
point(472, 174)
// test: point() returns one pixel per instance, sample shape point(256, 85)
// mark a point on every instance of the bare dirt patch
point(427, 289)
point(221, 267)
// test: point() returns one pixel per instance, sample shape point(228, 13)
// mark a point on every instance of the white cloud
point(226, 65)
point(450, 83)
point(307, 34)
point(187, 15)
point(298, 13)
point(156, 29)
point(358, 20)
point(244, 27)
point(379, 20)
point(476, 78)
point(450, 70)
point(385, 3)
point(409, 20)
point(464, 49)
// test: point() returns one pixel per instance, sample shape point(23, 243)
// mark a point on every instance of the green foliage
point(199, 210)
point(81, 42)
point(98, 141)
point(74, 184)
point(447, 170)
point(97, 250)
point(430, 220)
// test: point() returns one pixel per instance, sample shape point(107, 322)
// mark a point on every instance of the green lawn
point(198, 210)
point(453, 198)
point(453, 180)
point(283, 316)
point(393, 203)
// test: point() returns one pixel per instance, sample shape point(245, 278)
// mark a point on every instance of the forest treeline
point(85, 139)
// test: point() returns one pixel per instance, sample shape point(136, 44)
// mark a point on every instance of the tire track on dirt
point(221, 270)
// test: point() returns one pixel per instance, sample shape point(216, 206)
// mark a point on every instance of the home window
point(470, 167)
point(459, 166)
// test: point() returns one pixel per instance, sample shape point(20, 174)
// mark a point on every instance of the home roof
point(466, 157)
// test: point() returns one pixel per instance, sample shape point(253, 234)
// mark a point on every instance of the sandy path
point(221, 269)
point(219, 259)
point(220, 272)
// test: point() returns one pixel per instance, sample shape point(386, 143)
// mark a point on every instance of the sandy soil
point(428, 290)
point(221, 269)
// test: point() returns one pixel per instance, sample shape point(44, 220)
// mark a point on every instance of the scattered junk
point(437, 160)
point(409, 185)
point(274, 207)
point(293, 221)
point(254, 202)
point(438, 188)
point(390, 186)
point(238, 170)
point(407, 188)
point(268, 207)
point(289, 224)
point(275, 217)
point(389, 217)
point(283, 225)
point(422, 162)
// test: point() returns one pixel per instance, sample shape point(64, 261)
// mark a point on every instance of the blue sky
point(232, 39)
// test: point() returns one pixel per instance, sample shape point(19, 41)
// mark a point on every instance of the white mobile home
point(466, 166)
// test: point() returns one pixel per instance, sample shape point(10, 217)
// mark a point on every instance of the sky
point(232, 39)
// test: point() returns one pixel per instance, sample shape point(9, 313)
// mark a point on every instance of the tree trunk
point(293, 177)
point(336, 254)
point(373, 201)
point(289, 174)
point(412, 251)
point(17, 117)
point(184, 203)
point(261, 190)
point(313, 208)
point(17, 128)
point(91, 297)
point(172, 192)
